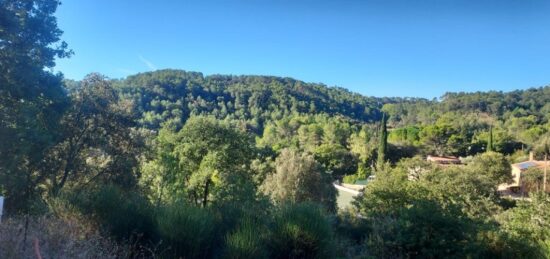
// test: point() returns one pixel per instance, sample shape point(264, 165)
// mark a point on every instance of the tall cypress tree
point(490, 142)
point(383, 142)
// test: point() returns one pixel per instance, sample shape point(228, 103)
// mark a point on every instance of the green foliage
point(336, 159)
point(79, 148)
point(436, 137)
point(406, 135)
point(123, 214)
point(543, 145)
point(32, 98)
point(532, 180)
point(206, 161)
point(503, 142)
point(98, 143)
point(187, 231)
point(472, 192)
point(530, 221)
point(424, 229)
point(175, 94)
point(416, 167)
point(247, 241)
point(493, 165)
point(407, 221)
point(300, 231)
point(352, 178)
point(418, 210)
point(382, 143)
point(349, 226)
point(299, 178)
point(490, 142)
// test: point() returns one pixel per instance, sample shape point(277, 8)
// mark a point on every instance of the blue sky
point(380, 48)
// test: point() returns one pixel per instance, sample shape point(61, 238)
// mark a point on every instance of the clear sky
point(381, 48)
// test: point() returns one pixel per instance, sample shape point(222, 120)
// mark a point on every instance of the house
point(517, 170)
point(444, 160)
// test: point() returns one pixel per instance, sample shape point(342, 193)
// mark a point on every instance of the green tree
point(415, 167)
point(31, 98)
point(492, 164)
point(362, 145)
point(530, 221)
point(98, 143)
point(472, 192)
point(299, 178)
point(532, 180)
point(435, 138)
point(207, 161)
point(383, 142)
point(490, 142)
point(407, 220)
point(335, 158)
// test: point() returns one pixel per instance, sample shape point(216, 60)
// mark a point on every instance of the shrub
point(352, 178)
point(125, 215)
point(247, 241)
point(300, 231)
point(186, 231)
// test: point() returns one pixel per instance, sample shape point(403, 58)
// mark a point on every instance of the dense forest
point(175, 164)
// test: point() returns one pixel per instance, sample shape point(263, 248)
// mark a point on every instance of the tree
point(532, 180)
point(474, 193)
point(98, 143)
point(299, 178)
point(336, 159)
point(31, 98)
point(407, 220)
point(492, 164)
point(544, 147)
point(206, 162)
point(415, 167)
point(490, 142)
point(530, 221)
point(435, 137)
point(362, 145)
point(383, 142)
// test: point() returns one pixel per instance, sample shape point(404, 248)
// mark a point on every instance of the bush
point(247, 241)
point(352, 178)
point(231, 215)
point(125, 215)
point(300, 231)
point(349, 225)
point(187, 232)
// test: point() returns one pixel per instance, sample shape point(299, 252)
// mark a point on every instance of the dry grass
point(55, 237)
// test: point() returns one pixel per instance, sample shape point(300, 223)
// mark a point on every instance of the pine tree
point(383, 142)
point(490, 142)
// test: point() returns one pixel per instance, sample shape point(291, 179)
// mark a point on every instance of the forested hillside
point(456, 124)
point(176, 95)
point(174, 164)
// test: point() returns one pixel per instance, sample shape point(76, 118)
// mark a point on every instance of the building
point(517, 171)
point(444, 160)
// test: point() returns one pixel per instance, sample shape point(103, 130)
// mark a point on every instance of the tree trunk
point(205, 197)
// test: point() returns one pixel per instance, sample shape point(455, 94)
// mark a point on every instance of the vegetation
point(299, 178)
point(174, 164)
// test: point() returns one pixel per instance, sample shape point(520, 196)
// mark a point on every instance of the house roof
point(444, 159)
point(528, 164)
